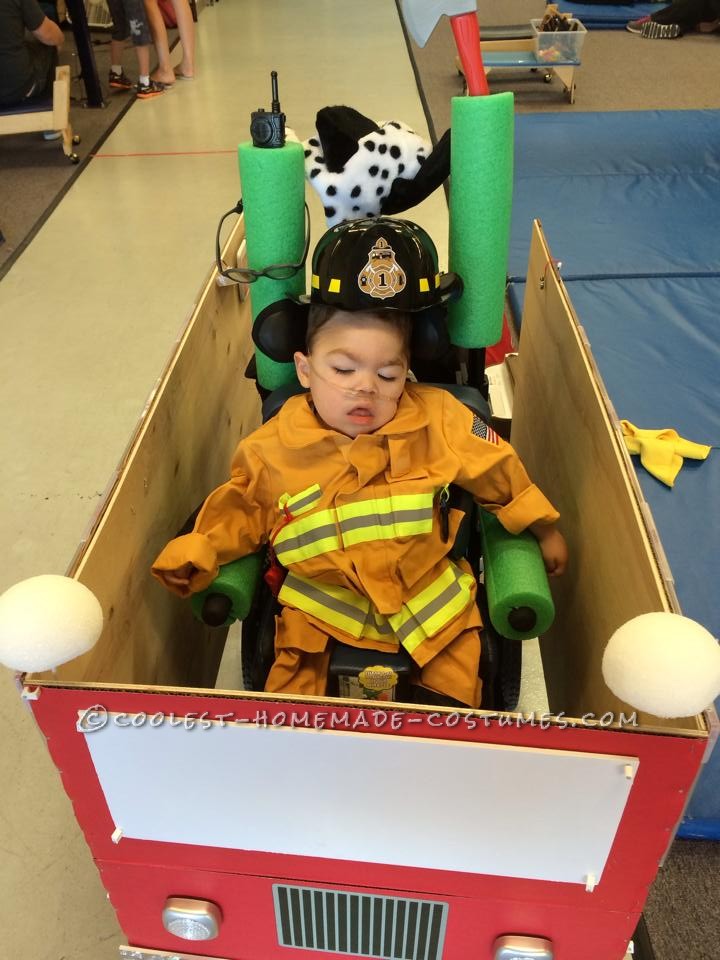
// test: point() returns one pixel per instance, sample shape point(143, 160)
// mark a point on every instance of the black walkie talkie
point(267, 129)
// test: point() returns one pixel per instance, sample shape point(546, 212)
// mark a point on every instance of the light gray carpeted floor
point(35, 174)
point(620, 71)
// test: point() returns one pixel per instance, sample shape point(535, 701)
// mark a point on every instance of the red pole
point(466, 30)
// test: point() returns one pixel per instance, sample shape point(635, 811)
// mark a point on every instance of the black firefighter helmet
point(376, 264)
point(379, 264)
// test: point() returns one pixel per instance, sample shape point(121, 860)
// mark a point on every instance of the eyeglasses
point(274, 271)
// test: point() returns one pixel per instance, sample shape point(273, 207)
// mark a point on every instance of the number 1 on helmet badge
point(382, 276)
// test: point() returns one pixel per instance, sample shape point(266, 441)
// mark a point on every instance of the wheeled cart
point(237, 825)
point(514, 47)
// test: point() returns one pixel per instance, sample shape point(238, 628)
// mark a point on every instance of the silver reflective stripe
point(363, 617)
point(294, 505)
point(359, 924)
point(422, 616)
point(306, 539)
point(319, 596)
point(385, 519)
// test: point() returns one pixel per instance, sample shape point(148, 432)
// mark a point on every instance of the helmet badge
point(382, 276)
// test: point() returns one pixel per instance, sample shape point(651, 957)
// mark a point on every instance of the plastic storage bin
point(559, 46)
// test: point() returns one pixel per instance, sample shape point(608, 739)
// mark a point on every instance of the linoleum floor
point(90, 313)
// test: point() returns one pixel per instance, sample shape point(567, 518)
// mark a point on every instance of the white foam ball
point(46, 621)
point(664, 664)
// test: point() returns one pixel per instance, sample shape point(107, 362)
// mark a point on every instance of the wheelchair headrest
point(281, 329)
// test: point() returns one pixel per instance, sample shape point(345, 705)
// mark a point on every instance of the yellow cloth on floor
point(661, 451)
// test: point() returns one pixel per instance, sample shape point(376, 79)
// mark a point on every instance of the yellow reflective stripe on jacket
point(386, 518)
point(426, 613)
point(300, 502)
point(336, 606)
point(422, 616)
point(307, 537)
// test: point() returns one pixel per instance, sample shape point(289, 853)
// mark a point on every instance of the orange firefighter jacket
point(356, 520)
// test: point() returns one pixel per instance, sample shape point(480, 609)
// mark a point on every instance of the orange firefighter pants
point(448, 662)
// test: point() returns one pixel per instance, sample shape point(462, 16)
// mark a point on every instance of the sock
point(117, 70)
point(144, 81)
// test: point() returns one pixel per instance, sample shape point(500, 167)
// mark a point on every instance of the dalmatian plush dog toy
point(362, 169)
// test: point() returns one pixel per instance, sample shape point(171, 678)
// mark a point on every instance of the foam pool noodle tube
point(237, 582)
point(481, 177)
point(273, 193)
point(519, 600)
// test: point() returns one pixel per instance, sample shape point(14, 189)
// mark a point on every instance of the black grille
point(359, 925)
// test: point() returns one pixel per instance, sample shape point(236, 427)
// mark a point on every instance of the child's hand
point(179, 577)
point(553, 548)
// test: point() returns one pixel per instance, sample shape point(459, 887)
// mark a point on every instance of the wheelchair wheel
point(257, 648)
point(507, 691)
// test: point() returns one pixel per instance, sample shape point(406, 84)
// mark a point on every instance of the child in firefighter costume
point(347, 483)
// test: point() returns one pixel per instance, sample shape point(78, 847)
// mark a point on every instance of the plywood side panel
point(563, 432)
point(200, 409)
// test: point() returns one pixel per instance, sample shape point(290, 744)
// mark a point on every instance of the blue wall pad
point(600, 16)
point(619, 194)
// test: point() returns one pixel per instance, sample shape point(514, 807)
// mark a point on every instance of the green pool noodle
point(272, 182)
point(515, 578)
point(481, 178)
point(236, 580)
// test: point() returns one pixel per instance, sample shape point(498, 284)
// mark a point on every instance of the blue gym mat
point(597, 16)
point(656, 345)
point(619, 194)
point(629, 203)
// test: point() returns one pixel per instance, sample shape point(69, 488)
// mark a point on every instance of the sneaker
point(144, 91)
point(661, 31)
point(119, 81)
point(52, 134)
point(636, 26)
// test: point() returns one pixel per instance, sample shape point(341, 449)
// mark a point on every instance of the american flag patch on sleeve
point(482, 430)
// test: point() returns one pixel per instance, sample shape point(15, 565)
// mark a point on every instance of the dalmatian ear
point(339, 131)
point(354, 163)
point(433, 172)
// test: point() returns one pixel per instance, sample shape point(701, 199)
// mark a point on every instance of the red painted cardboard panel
point(668, 765)
point(249, 929)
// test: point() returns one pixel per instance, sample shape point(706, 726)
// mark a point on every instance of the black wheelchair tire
point(257, 646)
point(508, 682)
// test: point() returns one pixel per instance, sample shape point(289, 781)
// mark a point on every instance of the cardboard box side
point(564, 434)
point(182, 449)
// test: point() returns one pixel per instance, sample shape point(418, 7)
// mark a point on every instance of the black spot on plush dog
point(341, 161)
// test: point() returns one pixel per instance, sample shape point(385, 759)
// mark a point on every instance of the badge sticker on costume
point(378, 682)
point(372, 683)
point(382, 276)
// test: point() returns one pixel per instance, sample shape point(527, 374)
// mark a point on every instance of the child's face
point(356, 372)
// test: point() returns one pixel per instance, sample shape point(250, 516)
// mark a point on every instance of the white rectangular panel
point(448, 805)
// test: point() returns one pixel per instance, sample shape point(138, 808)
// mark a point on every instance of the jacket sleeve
point(232, 522)
point(489, 468)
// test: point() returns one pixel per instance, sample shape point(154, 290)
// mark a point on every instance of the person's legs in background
point(164, 72)
point(141, 38)
point(120, 32)
point(186, 29)
point(129, 20)
point(44, 60)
